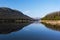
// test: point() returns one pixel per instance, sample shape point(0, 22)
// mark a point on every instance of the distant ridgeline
point(8, 15)
point(52, 16)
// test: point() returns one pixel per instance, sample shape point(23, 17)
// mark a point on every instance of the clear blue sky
point(32, 8)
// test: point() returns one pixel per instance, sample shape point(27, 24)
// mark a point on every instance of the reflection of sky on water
point(34, 31)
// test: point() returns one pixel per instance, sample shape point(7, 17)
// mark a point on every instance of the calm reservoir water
point(30, 31)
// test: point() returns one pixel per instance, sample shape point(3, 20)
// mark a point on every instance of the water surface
point(29, 31)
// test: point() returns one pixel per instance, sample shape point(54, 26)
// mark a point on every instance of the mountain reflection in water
point(11, 27)
point(53, 27)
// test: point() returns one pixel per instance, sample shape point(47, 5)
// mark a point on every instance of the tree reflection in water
point(6, 28)
point(53, 27)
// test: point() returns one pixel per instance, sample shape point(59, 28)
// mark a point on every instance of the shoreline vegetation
point(52, 22)
point(52, 18)
point(52, 26)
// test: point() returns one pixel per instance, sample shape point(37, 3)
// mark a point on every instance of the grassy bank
point(52, 22)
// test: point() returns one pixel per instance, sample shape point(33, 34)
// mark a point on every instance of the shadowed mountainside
point(7, 14)
point(12, 20)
